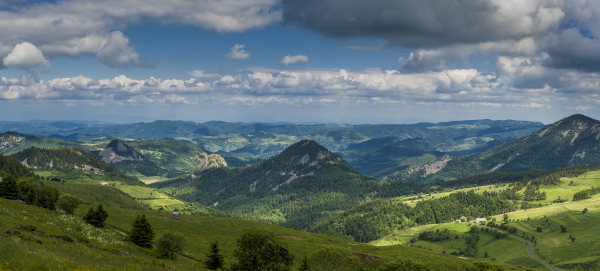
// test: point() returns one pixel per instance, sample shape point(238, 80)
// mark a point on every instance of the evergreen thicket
point(141, 232)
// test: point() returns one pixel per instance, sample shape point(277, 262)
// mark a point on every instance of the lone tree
point(68, 203)
point(96, 218)
point(563, 228)
point(585, 210)
point(9, 188)
point(169, 244)
point(215, 259)
point(261, 249)
point(141, 233)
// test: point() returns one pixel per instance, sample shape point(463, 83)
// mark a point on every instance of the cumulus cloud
point(237, 52)
point(427, 23)
point(292, 60)
point(76, 27)
point(204, 74)
point(117, 53)
point(517, 82)
point(25, 56)
point(571, 50)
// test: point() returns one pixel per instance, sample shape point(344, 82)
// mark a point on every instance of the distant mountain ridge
point(572, 141)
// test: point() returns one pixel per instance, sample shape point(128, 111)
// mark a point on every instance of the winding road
point(530, 250)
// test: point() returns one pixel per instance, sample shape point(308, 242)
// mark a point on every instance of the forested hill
point(128, 160)
point(13, 167)
point(572, 141)
point(305, 182)
point(13, 142)
point(70, 164)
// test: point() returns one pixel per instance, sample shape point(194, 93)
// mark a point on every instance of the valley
point(377, 186)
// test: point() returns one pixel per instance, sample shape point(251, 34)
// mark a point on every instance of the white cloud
point(117, 53)
point(25, 56)
point(76, 27)
point(204, 74)
point(238, 53)
point(292, 60)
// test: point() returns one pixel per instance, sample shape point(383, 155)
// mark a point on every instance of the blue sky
point(350, 61)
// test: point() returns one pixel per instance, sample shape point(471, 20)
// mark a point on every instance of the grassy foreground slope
point(66, 243)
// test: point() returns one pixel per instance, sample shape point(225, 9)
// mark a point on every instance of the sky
point(303, 61)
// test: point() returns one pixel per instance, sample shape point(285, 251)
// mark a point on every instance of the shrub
point(68, 203)
point(169, 244)
point(260, 249)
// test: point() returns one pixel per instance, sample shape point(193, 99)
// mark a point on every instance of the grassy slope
point(107, 249)
point(554, 246)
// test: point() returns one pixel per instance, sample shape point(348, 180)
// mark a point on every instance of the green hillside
point(71, 164)
point(174, 157)
point(13, 142)
point(32, 238)
point(369, 160)
point(482, 195)
point(298, 187)
point(564, 233)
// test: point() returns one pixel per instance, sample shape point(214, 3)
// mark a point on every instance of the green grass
point(108, 249)
point(94, 194)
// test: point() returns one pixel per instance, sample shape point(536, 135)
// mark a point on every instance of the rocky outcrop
point(211, 161)
point(117, 151)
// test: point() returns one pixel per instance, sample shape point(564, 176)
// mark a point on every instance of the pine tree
point(9, 188)
point(96, 218)
point(90, 216)
point(101, 216)
point(141, 233)
point(304, 265)
point(31, 196)
point(215, 260)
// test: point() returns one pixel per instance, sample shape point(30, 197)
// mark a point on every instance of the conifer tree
point(96, 218)
point(304, 265)
point(9, 188)
point(215, 259)
point(141, 233)
point(31, 196)
point(101, 216)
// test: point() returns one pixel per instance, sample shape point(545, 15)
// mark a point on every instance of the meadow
point(65, 242)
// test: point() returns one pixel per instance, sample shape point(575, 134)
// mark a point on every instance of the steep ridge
point(71, 164)
point(572, 141)
point(304, 183)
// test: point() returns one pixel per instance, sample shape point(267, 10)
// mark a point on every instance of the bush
point(563, 228)
point(169, 244)
point(68, 203)
point(539, 229)
point(333, 258)
point(260, 249)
